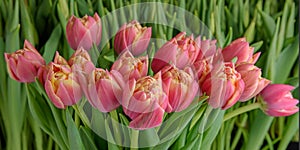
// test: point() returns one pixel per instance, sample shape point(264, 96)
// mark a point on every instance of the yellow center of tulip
point(101, 74)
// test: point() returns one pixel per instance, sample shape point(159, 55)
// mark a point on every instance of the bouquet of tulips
point(182, 95)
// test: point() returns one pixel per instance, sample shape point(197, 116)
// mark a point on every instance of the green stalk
point(241, 110)
point(134, 143)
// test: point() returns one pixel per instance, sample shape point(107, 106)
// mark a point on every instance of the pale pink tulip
point(277, 100)
point(180, 87)
point(180, 51)
point(131, 67)
point(83, 32)
point(81, 61)
point(132, 37)
point(23, 65)
point(254, 83)
point(145, 102)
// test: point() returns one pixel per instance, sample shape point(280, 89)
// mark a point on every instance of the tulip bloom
point(83, 32)
point(180, 51)
point(145, 102)
point(61, 86)
point(277, 100)
point(180, 87)
point(102, 88)
point(131, 67)
point(224, 88)
point(254, 83)
point(240, 48)
point(132, 37)
point(23, 64)
point(81, 61)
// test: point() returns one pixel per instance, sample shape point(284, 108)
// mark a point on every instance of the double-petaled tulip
point(180, 87)
point(224, 88)
point(23, 64)
point(240, 49)
point(277, 100)
point(145, 102)
point(180, 51)
point(132, 37)
point(61, 85)
point(131, 67)
point(83, 32)
point(81, 61)
point(254, 83)
point(103, 89)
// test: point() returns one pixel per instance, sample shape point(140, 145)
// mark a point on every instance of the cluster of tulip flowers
point(184, 68)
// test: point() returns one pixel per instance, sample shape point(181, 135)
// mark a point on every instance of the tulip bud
point(23, 64)
point(145, 102)
point(240, 48)
point(254, 83)
point(224, 88)
point(102, 88)
point(83, 32)
point(131, 67)
point(81, 61)
point(180, 51)
point(180, 87)
point(61, 85)
point(134, 37)
point(277, 100)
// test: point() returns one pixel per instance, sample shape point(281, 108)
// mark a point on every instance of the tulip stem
point(134, 139)
point(241, 110)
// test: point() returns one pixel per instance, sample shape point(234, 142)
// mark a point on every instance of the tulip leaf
point(290, 130)
point(109, 136)
point(257, 46)
point(228, 37)
point(145, 141)
point(52, 44)
point(73, 133)
point(285, 61)
point(87, 138)
point(269, 22)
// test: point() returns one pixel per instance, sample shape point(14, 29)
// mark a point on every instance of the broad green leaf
point(257, 46)
point(269, 23)
point(228, 37)
point(145, 141)
point(87, 138)
point(291, 128)
point(281, 34)
point(52, 44)
point(73, 133)
point(27, 25)
point(290, 23)
point(285, 62)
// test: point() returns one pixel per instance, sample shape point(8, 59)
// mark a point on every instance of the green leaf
point(145, 141)
point(228, 37)
point(257, 46)
point(87, 139)
point(291, 128)
point(52, 44)
point(28, 28)
point(269, 23)
point(285, 62)
point(73, 133)
point(290, 23)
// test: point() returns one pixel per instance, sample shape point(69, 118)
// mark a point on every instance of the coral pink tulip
point(132, 37)
point(254, 83)
point(62, 86)
point(145, 102)
point(23, 65)
point(224, 88)
point(83, 32)
point(240, 49)
point(180, 87)
point(180, 51)
point(131, 67)
point(102, 88)
point(277, 100)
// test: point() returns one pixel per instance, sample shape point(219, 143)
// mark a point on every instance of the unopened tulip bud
point(132, 37)
point(83, 32)
point(277, 100)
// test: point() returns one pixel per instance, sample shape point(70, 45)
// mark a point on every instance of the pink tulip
point(81, 61)
point(180, 87)
point(277, 100)
point(61, 85)
point(102, 88)
point(132, 37)
point(83, 32)
point(23, 64)
point(240, 49)
point(131, 67)
point(180, 51)
point(145, 102)
point(254, 83)
point(224, 87)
